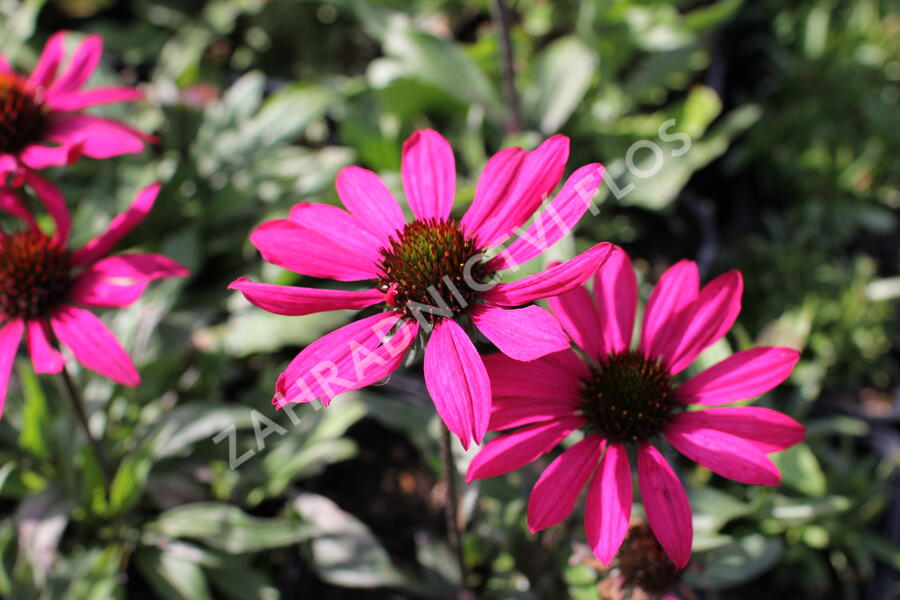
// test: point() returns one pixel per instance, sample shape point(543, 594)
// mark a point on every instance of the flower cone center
point(34, 275)
point(644, 563)
point(22, 116)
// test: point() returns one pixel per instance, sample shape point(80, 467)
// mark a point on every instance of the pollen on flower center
point(432, 263)
point(628, 398)
point(644, 563)
point(34, 275)
point(22, 116)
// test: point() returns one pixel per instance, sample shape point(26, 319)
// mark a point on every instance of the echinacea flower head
point(42, 118)
point(46, 288)
point(431, 275)
point(624, 398)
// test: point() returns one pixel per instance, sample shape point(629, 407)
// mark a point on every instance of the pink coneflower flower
point(45, 287)
point(625, 398)
point(431, 272)
point(42, 123)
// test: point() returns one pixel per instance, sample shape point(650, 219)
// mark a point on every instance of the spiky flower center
point(22, 116)
point(35, 275)
point(644, 563)
point(628, 398)
point(430, 267)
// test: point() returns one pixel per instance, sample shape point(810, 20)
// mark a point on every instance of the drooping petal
point(494, 186)
point(666, 505)
point(429, 175)
point(723, 453)
point(44, 357)
point(93, 344)
point(514, 450)
point(10, 337)
point(5, 67)
point(553, 280)
point(98, 137)
point(346, 359)
point(95, 97)
point(743, 375)
point(768, 430)
point(556, 491)
point(295, 301)
point(48, 64)
point(616, 294)
point(520, 333)
point(303, 250)
point(707, 320)
point(457, 382)
point(53, 201)
point(557, 219)
point(676, 290)
point(12, 204)
point(40, 157)
point(82, 65)
point(577, 314)
point(119, 280)
point(609, 503)
point(120, 226)
point(369, 200)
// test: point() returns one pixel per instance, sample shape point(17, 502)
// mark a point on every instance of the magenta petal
point(48, 63)
point(369, 200)
point(93, 344)
point(10, 337)
point(520, 333)
point(53, 201)
point(303, 250)
point(666, 505)
point(494, 186)
point(295, 301)
point(577, 314)
point(616, 293)
point(429, 175)
point(768, 430)
point(337, 224)
point(5, 67)
point(557, 219)
point(120, 226)
point(514, 450)
point(81, 67)
point(609, 501)
point(743, 375)
point(707, 320)
point(12, 204)
point(97, 136)
point(41, 157)
point(346, 359)
point(553, 281)
point(556, 491)
point(95, 97)
point(457, 381)
point(44, 357)
point(118, 281)
point(675, 291)
point(723, 453)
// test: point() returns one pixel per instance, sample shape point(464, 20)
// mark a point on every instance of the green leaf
point(36, 422)
point(800, 470)
point(712, 508)
point(563, 73)
point(242, 582)
point(172, 577)
point(188, 424)
point(40, 521)
point(736, 563)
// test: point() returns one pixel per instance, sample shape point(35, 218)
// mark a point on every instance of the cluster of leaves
point(789, 176)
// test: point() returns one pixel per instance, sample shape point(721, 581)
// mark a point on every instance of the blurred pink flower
point(44, 287)
point(623, 397)
point(42, 119)
point(430, 272)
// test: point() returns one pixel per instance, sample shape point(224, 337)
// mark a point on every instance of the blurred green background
point(792, 176)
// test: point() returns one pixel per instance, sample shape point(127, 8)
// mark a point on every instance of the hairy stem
point(78, 407)
point(500, 17)
point(451, 504)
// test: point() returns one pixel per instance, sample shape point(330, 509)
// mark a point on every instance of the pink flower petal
point(48, 63)
point(514, 450)
point(5, 67)
point(494, 186)
point(535, 180)
point(675, 291)
point(118, 281)
point(556, 491)
point(93, 344)
point(429, 175)
point(666, 505)
point(616, 293)
point(577, 314)
point(723, 453)
point(741, 376)
point(295, 301)
point(557, 219)
point(768, 430)
point(609, 502)
point(336, 223)
point(97, 136)
point(457, 381)
point(53, 201)
point(41, 157)
point(553, 281)
point(306, 251)
point(95, 97)
point(12, 204)
point(520, 333)
point(10, 337)
point(369, 200)
point(81, 67)
point(120, 226)
point(346, 359)
point(44, 357)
